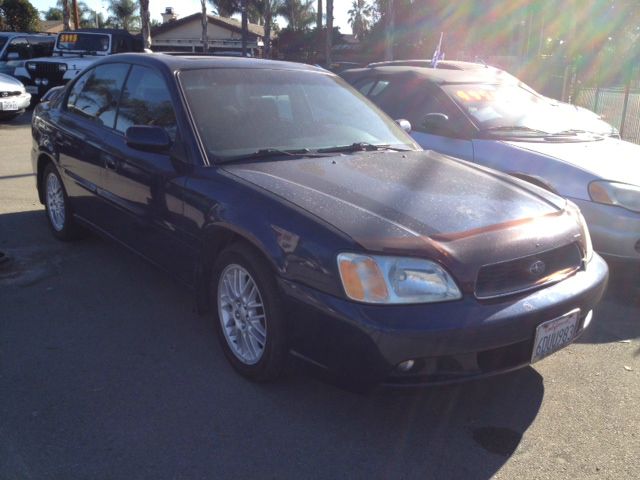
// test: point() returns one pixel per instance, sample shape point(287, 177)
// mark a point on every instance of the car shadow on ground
point(20, 121)
point(617, 317)
point(107, 372)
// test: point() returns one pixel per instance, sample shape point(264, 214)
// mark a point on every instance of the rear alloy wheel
point(57, 205)
point(249, 319)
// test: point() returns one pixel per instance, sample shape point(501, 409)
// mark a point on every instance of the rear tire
point(56, 203)
point(248, 313)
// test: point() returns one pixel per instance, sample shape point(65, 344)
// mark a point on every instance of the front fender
point(297, 245)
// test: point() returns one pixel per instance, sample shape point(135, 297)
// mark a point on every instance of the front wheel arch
point(216, 239)
point(43, 161)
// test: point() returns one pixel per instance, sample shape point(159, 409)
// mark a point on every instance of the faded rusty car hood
point(378, 196)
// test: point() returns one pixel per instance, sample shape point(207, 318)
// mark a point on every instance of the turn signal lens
point(362, 279)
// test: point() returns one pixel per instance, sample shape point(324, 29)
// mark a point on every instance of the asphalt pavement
point(106, 372)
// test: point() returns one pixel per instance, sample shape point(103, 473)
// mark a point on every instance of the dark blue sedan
point(310, 223)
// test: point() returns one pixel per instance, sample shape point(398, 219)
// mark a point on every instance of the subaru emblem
point(537, 268)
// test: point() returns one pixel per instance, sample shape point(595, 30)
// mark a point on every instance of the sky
point(187, 7)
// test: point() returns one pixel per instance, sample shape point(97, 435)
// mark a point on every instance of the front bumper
point(450, 341)
point(37, 90)
point(21, 101)
point(615, 231)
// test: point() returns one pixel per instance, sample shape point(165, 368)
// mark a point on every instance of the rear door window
point(96, 94)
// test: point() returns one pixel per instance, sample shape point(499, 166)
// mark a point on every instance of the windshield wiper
point(515, 128)
point(273, 152)
point(361, 147)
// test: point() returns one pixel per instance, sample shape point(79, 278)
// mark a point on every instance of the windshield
point(240, 111)
point(86, 42)
point(513, 110)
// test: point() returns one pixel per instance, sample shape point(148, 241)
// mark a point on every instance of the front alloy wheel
point(249, 315)
point(56, 205)
point(242, 314)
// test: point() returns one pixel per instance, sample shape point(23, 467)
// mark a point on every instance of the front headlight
point(62, 67)
point(391, 280)
point(614, 193)
point(585, 237)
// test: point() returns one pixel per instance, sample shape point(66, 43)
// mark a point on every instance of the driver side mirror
point(404, 124)
point(148, 138)
point(13, 56)
point(437, 124)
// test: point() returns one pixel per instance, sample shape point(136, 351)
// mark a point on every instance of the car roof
point(107, 31)
point(433, 75)
point(27, 34)
point(180, 62)
point(426, 63)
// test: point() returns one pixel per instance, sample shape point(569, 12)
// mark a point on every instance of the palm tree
point(271, 8)
point(124, 13)
point(66, 17)
point(205, 25)
point(226, 8)
point(360, 18)
point(329, 43)
point(145, 23)
point(298, 13)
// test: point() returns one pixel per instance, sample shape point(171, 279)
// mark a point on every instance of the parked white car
point(477, 116)
point(13, 97)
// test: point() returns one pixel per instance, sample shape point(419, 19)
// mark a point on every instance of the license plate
point(8, 105)
point(555, 334)
point(31, 88)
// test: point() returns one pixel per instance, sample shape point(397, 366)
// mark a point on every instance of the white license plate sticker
point(8, 105)
point(555, 334)
point(31, 88)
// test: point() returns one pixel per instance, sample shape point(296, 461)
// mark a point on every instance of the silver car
point(479, 116)
point(13, 97)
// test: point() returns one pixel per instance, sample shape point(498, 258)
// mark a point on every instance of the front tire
point(248, 314)
point(56, 205)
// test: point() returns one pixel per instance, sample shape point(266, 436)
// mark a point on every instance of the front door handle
point(110, 162)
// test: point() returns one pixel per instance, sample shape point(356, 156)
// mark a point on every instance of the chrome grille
point(528, 272)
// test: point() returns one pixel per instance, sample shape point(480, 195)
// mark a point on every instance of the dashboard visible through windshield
point(242, 111)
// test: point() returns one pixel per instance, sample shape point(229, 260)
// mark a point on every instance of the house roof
point(51, 26)
point(228, 23)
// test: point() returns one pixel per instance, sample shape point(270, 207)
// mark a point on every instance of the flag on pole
point(438, 54)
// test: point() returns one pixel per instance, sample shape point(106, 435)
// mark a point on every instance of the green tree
point(19, 16)
point(53, 14)
point(124, 14)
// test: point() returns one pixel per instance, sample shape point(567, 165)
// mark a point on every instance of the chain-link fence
point(619, 106)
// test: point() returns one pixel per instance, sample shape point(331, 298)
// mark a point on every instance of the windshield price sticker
point(474, 95)
point(69, 38)
point(555, 334)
